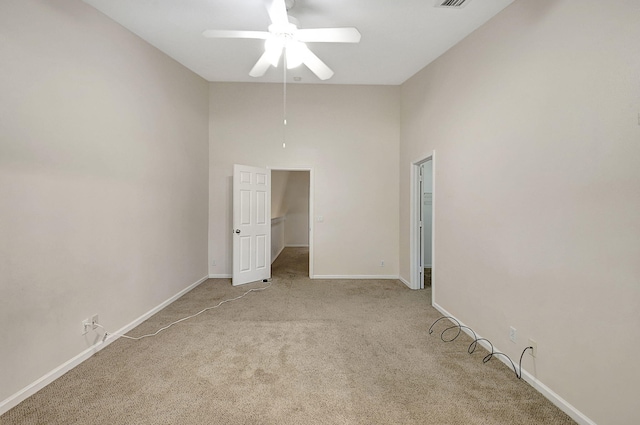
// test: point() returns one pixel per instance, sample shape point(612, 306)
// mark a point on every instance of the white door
point(251, 224)
point(421, 226)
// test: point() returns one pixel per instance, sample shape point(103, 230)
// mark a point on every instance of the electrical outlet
point(513, 334)
point(534, 345)
point(382, 263)
point(213, 263)
point(94, 321)
point(86, 325)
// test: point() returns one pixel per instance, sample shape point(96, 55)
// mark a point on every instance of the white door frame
point(414, 240)
point(311, 226)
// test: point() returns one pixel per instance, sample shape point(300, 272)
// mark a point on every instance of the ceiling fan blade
point(329, 35)
point(315, 64)
point(260, 68)
point(277, 10)
point(235, 34)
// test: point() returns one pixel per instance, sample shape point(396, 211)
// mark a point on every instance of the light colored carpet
point(301, 352)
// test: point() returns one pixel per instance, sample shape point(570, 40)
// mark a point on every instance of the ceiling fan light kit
point(295, 53)
point(273, 49)
point(284, 36)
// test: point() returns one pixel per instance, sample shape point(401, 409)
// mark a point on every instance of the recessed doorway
point(427, 221)
point(422, 224)
point(291, 212)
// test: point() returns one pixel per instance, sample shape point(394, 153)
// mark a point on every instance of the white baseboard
point(297, 246)
point(48, 378)
point(554, 398)
point(220, 276)
point(353, 276)
point(406, 282)
point(560, 403)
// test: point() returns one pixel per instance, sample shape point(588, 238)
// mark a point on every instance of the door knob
point(237, 230)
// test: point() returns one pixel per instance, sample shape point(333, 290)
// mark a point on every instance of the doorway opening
point(291, 212)
point(427, 220)
point(422, 224)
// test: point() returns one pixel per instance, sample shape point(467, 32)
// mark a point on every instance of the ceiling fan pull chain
point(284, 102)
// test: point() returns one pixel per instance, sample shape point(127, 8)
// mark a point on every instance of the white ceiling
point(399, 37)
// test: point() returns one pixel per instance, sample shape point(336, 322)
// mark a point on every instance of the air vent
point(451, 3)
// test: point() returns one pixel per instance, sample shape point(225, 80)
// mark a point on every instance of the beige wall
point(348, 136)
point(103, 181)
point(296, 230)
point(279, 180)
point(534, 119)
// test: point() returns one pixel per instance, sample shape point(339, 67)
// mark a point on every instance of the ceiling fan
point(285, 36)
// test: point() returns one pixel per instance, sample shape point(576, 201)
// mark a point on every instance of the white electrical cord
point(106, 333)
